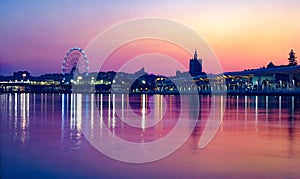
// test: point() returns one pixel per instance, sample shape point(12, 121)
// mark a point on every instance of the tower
point(195, 54)
point(195, 65)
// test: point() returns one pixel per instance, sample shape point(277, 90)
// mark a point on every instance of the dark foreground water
point(42, 136)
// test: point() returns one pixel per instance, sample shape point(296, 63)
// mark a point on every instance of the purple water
point(42, 136)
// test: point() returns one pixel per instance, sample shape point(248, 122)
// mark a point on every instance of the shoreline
point(230, 93)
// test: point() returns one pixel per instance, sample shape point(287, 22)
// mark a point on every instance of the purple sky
point(35, 35)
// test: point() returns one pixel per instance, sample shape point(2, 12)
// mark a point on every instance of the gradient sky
point(35, 35)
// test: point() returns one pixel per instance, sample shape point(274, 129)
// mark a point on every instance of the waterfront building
point(21, 75)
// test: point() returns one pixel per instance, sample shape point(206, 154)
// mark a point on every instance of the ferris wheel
point(75, 62)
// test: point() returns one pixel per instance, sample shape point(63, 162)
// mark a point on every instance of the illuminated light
point(143, 81)
point(24, 75)
point(79, 78)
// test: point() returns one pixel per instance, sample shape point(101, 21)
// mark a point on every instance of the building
point(21, 75)
point(195, 65)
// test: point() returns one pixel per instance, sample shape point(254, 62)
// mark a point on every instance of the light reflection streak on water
point(42, 104)
point(267, 108)
point(45, 106)
point(246, 108)
point(33, 105)
point(159, 108)
point(222, 107)
point(23, 111)
point(79, 111)
point(101, 112)
point(92, 111)
point(237, 107)
point(108, 112)
point(256, 109)
point(27, 107)
point(122, 111)
point(113, 112)
point(143, 110)
point(293, 107)
point(256, 114)
point(52, 106)
point(279, 115)
point(10, 105)
point(63, 118)
point(63, 106)
point(220, 116)
point(16, 111)
point(72, 112)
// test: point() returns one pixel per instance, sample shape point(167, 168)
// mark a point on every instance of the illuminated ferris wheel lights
point(75, 62)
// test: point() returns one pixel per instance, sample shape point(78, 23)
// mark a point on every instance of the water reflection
point(246, 108)
point(20, 108)
point(71, 121)
point(279, 108)
point(267, 108)
point(16, 109)
point(266, 128)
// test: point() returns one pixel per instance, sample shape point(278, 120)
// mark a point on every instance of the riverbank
point(295, 92)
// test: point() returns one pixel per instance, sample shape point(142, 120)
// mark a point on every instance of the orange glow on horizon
point(136, 48)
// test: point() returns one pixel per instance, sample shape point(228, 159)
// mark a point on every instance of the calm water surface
point(41, 136)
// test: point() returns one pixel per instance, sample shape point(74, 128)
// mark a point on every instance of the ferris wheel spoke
point(70, 63)
point(81, 64)
point(75, 59)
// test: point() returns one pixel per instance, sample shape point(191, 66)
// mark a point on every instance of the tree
point(292, 58)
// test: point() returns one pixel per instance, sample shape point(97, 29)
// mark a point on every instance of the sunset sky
point(35, 35)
